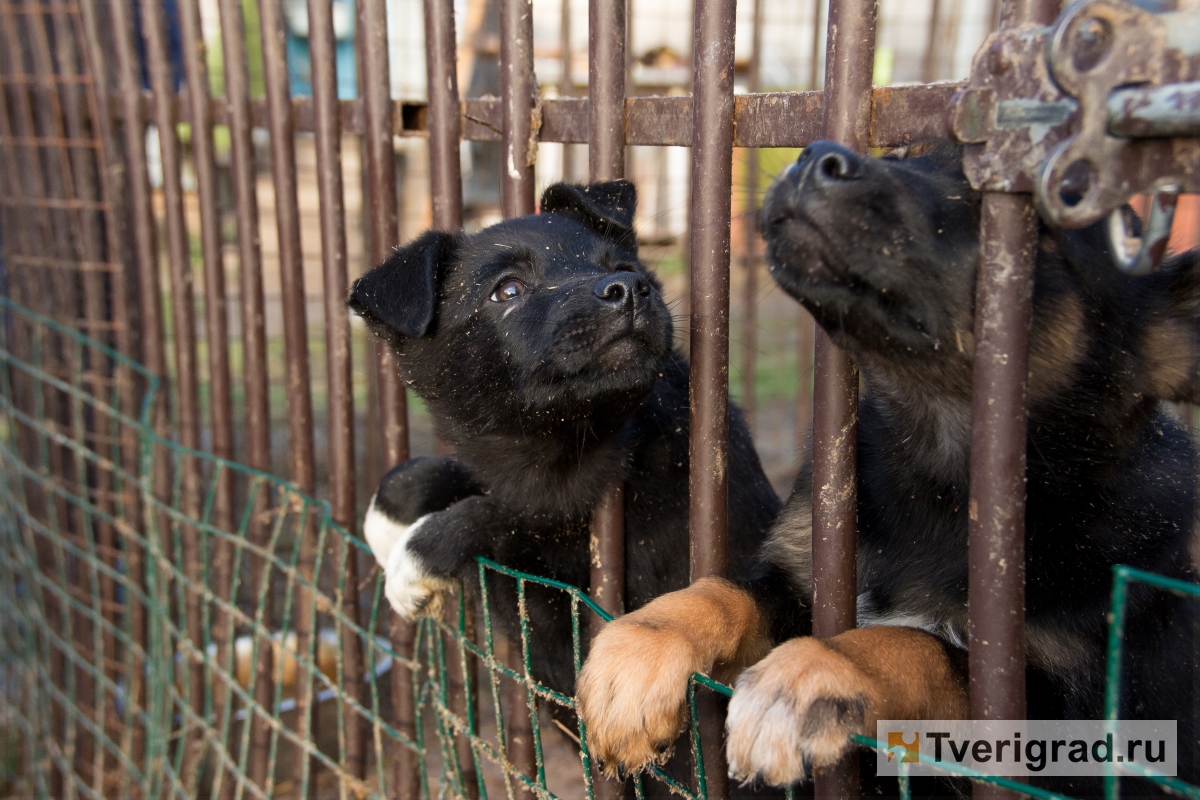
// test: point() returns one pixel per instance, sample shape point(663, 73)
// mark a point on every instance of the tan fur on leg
point(793, 712)
point(633, 688)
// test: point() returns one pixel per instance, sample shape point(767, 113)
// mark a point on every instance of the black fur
point(883, 253)
point(548, 398)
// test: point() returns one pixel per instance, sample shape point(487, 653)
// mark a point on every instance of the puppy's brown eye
point(507, 291)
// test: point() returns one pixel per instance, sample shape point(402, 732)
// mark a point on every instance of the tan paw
point(793, 713)
point(632, 692)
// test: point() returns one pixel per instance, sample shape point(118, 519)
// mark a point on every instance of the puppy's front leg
point(428, 556)
point(793, 712)
point(633, 688)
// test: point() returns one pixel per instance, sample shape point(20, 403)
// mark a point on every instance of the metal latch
point(1103, 105)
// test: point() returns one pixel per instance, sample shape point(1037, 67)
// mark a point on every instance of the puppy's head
point(884, 252)
point(533, 322)
point(881, 251)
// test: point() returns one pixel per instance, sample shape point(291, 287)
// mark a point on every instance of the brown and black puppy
point(884, 252)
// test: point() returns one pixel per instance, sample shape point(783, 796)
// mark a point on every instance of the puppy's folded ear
point(399, 293)
point(606, 207)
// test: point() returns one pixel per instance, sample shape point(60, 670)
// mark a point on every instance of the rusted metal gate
point(82, 247)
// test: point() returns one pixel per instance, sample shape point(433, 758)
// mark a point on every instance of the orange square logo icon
point(912, 750)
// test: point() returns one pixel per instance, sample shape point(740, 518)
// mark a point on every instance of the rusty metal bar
point(902, 115)
point(565, 86)
point(996, 544)
point(184, 335)
point(606, 162)
point(750, 243)
point(849, 61)
point(215, 323)
point(279, 119)
point(930, 58)
point(253, 316)
point(814, 62)
point(996, 538)
point(445, 128)
point(518, 96)
point(337, 336)
point(442, 116)
point(606, 89)
point(254, 340)
point(382, 204)
point(712, 176)
point(712, 186)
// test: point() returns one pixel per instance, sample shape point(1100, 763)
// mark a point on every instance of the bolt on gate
point(176, 622)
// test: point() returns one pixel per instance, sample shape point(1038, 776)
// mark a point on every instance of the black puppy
point(883, 252)
point(543, 350)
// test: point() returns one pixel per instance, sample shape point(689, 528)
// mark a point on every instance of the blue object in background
point(298, 56)
point(170, 10)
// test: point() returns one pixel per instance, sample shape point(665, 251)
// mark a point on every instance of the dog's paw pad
point(793, 713)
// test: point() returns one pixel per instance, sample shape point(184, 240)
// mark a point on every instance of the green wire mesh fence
point(173, 624)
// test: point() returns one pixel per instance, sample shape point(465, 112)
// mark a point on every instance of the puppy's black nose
point(623, 289)
point(826, 163)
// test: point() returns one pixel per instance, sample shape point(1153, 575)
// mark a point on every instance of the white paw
point(409, 587)
point(381, 532)
point(792, 714)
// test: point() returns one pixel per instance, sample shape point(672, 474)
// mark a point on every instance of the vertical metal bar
point(518, 92)
point(565, 87)
point(750, 231)
point(254, 339)
point(929, 61)
point(996, 586)
point(215, 321)
point(712, 176)
point(849, 61)
point(712, 184)
point(606, 161)
point(297, 376)
point(381, 193)
point(814, 64)
point(337, 337)
point(445, 125)
point(996, 539)
point(184, 334)
point(606, 89)
point(446, 187)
